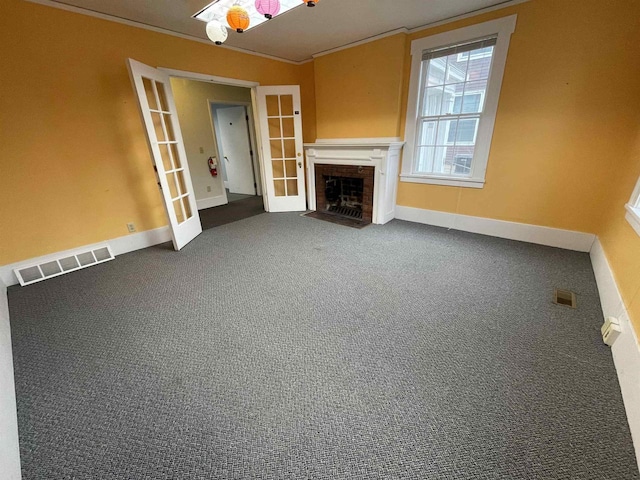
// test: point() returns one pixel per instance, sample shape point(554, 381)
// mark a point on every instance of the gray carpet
point(283, 347)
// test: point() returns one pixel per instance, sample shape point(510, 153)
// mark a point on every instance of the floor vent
point(564, 297)
point(54, 266)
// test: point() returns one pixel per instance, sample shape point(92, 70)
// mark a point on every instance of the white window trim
point(633, 209)
point(503, 28)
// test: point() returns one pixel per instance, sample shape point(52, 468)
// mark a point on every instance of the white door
point(281, 136)
point(160, 119)
point(233, 127)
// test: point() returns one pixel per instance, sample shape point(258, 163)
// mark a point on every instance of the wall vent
point(564, 297)
point(62, 263)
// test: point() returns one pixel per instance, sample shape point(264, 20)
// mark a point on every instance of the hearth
point(345, 191)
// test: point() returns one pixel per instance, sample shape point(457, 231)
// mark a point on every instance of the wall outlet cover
point(131, 227)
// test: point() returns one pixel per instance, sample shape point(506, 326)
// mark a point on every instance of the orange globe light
point(310, 3)
point(238, 18)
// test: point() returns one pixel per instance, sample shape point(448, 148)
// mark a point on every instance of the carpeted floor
point(283, 347)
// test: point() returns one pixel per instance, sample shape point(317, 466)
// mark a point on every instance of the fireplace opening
point(344, 196)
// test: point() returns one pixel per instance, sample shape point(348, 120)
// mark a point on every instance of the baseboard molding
point(9, 448)
point(625, 350)
point(553, 237)
point(211, 202)
point(120, 245)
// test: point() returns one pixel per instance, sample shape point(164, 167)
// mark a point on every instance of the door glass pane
point(292, 188)
point(151, 96)
point(274, 128)
point(276, 149)
point(175, 156)
point(182, 186)
point(167, 124)
point(289, 148)
point(286, 105)
point(287, 128)
point(173, 187)
point(290, 168)
point(279, 188)
point(278, 169)
point(273, 109)
point(177, 207)
point(162, 96)
point(157, 126)
point(187, 207)
point(166, 159)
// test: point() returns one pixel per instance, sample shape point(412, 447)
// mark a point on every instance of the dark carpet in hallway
point(231, 212)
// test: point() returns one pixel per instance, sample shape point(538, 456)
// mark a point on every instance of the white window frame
point(633, 209)
point(503, 28)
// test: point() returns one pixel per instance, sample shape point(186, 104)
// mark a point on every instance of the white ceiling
point(299, 33)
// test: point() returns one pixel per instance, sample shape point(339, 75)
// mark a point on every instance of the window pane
point(478, 69)
point(444, 127)
point(456, 69)
point(461, 160)
point(432, 101)
point(462, 131)
point(424, 159)
point(436, 71)
point(427, 135)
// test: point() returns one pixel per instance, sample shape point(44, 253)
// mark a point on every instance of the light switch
point(201, 150)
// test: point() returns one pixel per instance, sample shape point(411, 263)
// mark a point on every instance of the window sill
point(633, 217)
point(447, 181)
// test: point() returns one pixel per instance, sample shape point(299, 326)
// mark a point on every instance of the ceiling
point(299, 33)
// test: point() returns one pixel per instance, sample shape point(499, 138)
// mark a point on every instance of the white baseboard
point(553, 237)
point(9, 447)
point(211, 202)
point(120, 245)
point(625, 350)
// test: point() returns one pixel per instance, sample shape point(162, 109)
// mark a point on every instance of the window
point(633, 209)
point(453, 97)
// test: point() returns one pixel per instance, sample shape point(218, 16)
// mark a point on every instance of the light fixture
point(238, 18)
point(268, 8)
point(310, 3)
point(217, 32)
point(217, 10)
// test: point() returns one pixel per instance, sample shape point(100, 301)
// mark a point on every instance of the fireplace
point(345, 191)
point(353, 180)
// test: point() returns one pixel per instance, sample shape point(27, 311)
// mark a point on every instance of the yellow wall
point(556, 120)
point(620, 242)
point(192, 102)
point(358, 90)
point(75, 164)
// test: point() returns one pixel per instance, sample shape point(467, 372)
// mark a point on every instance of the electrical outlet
point(201, 150)
point(131, 227)
point(208, 188)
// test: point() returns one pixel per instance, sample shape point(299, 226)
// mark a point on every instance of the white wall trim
point(625, 350)
point(120, 245)
point(553, 237)
point(9, 446)
point(211, 202)
point(132, 23)
point(203, 77)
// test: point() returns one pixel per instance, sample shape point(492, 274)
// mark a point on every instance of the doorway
point(233, 128)
point(219, 139)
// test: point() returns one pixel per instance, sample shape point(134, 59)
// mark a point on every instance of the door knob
point(299, 154)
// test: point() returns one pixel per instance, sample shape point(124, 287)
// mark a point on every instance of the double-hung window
point(455, 85)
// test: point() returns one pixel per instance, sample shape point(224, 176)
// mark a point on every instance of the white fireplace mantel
point(381, 153)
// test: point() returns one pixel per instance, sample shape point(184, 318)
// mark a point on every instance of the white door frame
point(252, 136)
point(236, 83)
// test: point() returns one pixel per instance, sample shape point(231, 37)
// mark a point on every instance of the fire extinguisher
point(213, 167)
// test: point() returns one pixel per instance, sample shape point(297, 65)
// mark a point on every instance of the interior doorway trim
point(203, 77)
point(255, 165)
point(208, 78)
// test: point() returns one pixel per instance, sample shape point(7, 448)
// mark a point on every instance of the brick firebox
point(346, 171)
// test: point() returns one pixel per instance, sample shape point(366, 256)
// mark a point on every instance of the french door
point(160, 119)
point(281, 135)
